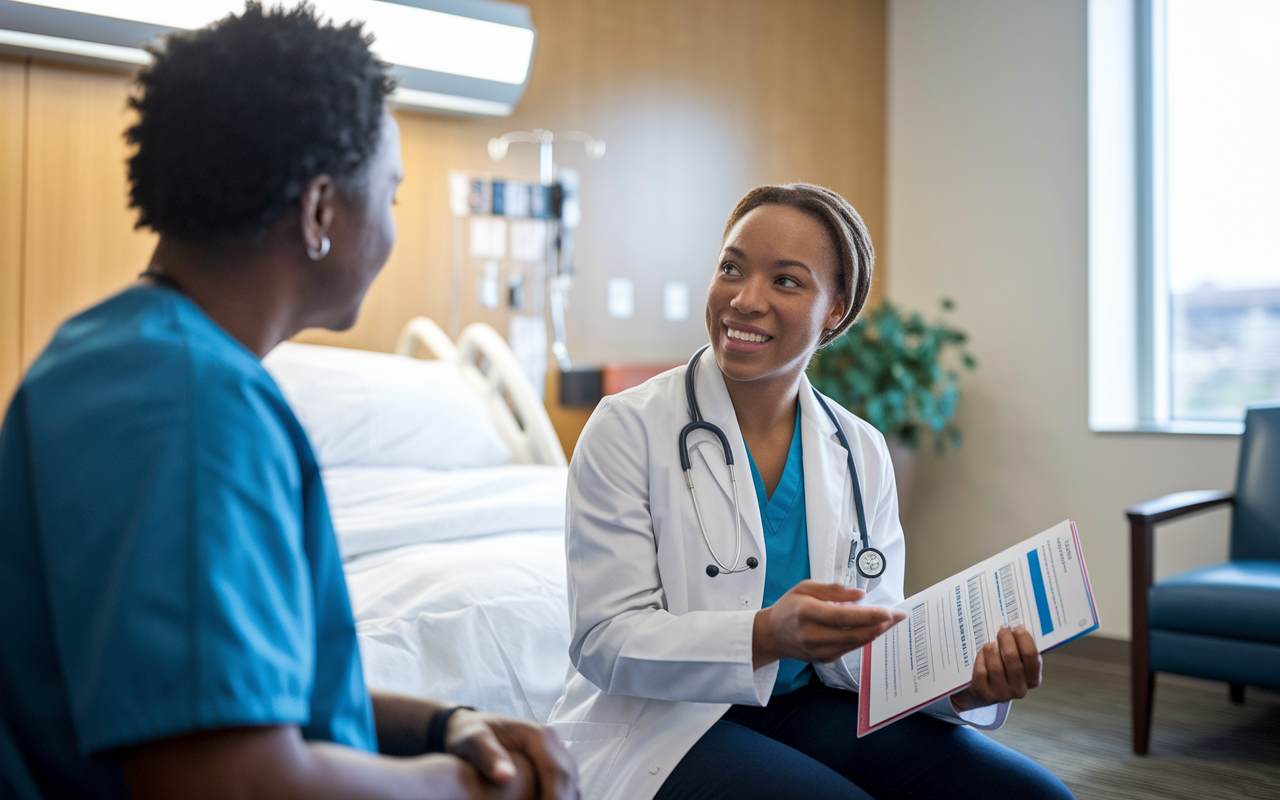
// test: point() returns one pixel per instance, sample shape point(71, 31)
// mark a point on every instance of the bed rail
point(422, 331)
point(489, 367)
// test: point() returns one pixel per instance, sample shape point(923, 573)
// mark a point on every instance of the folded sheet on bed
point(482, 621)
point(377, 508)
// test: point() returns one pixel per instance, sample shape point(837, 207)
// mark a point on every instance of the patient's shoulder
point(143, 333)
point(147, 361)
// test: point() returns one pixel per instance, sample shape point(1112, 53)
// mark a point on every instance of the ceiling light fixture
point(458, 56)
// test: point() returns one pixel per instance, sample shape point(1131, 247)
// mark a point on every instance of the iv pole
point(560, 262)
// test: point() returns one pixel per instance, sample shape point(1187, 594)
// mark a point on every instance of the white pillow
point(361, 408)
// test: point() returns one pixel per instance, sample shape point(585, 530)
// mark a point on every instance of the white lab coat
point(659, 649)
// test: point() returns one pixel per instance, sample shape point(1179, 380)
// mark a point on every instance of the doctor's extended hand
point(817, 622)
point(1004, 670)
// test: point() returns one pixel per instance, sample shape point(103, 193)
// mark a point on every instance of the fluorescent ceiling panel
point(74, 47)
point(415, 98)
point(404, 35)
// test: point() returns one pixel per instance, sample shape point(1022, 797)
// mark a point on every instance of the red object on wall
point(615, 379)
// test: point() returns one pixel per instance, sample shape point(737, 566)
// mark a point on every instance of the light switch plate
point(621, 298)
point(675, 300)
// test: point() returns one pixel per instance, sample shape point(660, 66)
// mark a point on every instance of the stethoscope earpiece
point(870, 563)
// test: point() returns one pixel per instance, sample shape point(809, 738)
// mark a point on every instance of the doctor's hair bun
point(235, 119)
point(848, 234)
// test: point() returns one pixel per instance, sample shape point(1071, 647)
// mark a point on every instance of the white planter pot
point(904, 466)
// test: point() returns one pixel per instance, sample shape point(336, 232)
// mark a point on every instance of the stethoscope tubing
point(853, 471)
point(698, 423)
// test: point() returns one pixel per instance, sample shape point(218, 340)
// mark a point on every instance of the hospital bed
point(446, 483)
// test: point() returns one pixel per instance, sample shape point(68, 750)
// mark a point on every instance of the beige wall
point(986, 204)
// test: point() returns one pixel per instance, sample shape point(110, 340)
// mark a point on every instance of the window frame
point(1130, 326)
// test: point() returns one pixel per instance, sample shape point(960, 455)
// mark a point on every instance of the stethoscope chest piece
point(870, 563)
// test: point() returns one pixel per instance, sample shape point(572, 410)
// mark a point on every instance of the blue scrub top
point(167, 561)
point(786, 546)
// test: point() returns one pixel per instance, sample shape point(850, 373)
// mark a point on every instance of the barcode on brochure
point(920, 640)
point(1009, 597)
point(977, 613)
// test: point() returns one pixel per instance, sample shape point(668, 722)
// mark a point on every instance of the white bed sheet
point(465, 598)
point(377, 508)
point(483, 622)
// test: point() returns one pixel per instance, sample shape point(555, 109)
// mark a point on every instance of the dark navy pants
point(805, 745)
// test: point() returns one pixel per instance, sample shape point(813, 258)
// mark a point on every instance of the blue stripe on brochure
point(1042, 599)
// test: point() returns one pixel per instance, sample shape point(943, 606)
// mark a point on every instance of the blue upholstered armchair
point(1220, 622)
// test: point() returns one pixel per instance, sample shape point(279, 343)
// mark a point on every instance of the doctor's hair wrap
point(235, 119)
point(848, 234)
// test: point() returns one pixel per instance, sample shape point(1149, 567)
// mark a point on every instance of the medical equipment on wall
point(869, 561)
point(554, 200)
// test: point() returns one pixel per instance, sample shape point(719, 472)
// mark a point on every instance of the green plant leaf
point(899, 372)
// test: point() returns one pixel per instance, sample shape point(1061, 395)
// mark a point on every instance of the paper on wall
point(1040, 583)
point(527, 335)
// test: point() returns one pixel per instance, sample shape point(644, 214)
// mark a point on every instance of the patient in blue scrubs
point(176, 617)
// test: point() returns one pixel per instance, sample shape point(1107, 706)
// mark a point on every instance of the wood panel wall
point(698, 100)
point(80, 241)
point(13, 80)
point(68, 237)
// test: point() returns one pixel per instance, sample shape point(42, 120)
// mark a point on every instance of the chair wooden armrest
point(1177, 504)
point(1143, 519)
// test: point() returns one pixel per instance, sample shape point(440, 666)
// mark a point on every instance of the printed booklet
point(1041, 584)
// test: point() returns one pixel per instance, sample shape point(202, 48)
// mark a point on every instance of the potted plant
point(900, 373)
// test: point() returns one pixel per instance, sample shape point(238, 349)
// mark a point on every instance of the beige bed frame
point(491, 369)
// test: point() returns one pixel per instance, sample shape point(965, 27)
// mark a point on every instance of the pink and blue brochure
point(1041, 584)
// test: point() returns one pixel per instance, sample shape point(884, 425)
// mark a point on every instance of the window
point(1184, 213)
point(1213, 238)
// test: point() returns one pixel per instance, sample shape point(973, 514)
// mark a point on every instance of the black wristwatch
point(436, 728)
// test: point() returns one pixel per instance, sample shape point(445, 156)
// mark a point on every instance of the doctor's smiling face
point(776, 291)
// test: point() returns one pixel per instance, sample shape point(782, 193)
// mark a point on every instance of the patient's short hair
point(848, 234)
point(236, 118)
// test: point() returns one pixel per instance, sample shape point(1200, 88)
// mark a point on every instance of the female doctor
point(717, 606)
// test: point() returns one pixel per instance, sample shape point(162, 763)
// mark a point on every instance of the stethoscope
point(869, 561)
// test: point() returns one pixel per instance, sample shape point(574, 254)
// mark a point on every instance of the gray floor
point(1202, 746)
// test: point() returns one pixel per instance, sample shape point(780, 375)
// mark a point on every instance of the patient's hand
point(274, 761)
point(1004, 670)
point(489, 742)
